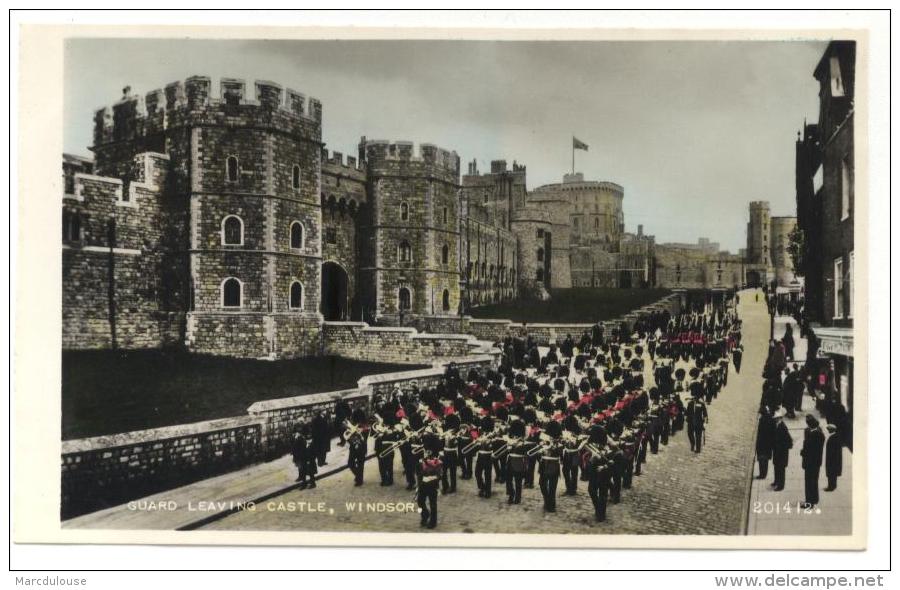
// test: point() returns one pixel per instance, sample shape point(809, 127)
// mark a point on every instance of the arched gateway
point(335, 302)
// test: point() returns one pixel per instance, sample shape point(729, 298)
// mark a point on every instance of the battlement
point(380, 150)
point(759, 204)
point(335, 158)
point(135, 115)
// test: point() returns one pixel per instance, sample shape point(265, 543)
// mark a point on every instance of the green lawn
point(573, 306)
point(105, 392)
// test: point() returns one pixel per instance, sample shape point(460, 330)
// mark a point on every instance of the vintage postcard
point(556, 289)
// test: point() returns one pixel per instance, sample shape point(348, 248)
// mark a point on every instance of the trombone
point(392, 447)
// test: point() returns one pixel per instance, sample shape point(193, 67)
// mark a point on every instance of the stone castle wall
point(105, 471)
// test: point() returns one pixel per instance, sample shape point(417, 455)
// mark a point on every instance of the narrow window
point(295, 177)
point(231, 168)
point(540, 233)
point(232, 231)
point(845, 189)
point(540, 254)
point(446, 215)
point(445, 254)
point(296, 295)
point(404, 212)
point(405, 299)
point(405, 251)
point(446, 300)
point(839, 288)
point(231, 293)
point(296, 235)
point(540, 274)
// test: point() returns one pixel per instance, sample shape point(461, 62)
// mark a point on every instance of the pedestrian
point(765, 441)
point(788, 341)
point(781, 447)
point(834, 457)
point(321, 438)
point(697, 417)
point(299, 453)
point(813, 445)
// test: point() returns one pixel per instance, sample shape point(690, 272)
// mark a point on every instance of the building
point(825, 215)
point(213, 217)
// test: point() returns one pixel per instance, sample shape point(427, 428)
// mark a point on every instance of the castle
point(219, 221)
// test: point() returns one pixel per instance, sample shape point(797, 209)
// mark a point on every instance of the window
point(404, 252)
point(404, 212)
point(232, 231)
point(295, 177)
point(296, 295)
point(845, 189)
point(446, 215)
point(445, 254)
point(850, 288)
point(839, 288)
point(596, 223)
point(71, 227)
point(540, 233)
point(837, 84)
point(576, 222)
point(232, 292)
point(330, 235)
point(231, 169)
point(446, 300)
point(540, 254)
point(296, 235)
point(405, 299)
point(540, 274)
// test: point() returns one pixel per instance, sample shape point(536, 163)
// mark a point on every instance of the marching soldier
point(385, 436)
point(357, 436)
point(618, 472)
point(548, 468)
point(697, 416)
point(429, 475)
point(450, 455)
point(571, 457)
point(600, 468)
point(516, 460)
point(483, 446)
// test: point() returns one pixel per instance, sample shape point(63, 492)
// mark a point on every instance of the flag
point(577, 144)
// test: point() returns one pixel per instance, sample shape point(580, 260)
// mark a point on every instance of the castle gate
point(335, 305)
point(753, 279)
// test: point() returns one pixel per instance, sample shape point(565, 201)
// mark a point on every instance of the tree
point(797, 250)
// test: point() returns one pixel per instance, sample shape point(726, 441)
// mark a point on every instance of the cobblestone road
point(679, 493)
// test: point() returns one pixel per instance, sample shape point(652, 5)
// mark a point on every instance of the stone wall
point(393, 344)
point(105, 471)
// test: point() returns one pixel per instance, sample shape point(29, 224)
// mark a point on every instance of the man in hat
point(697, 417)
point(765, 441)
point(834, 459)
point(813, 445)
point(429, 472)
point(781, 446)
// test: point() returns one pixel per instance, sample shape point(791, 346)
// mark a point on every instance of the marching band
point(582, 411)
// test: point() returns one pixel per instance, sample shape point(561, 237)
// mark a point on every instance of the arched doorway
point(334, 292)
point(753, 279)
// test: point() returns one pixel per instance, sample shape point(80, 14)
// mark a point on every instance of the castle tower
point(758, 232)
point(241, 206)
point(534, 229)
point(410, 253)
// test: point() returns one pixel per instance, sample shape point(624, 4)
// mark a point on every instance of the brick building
point(825, 213)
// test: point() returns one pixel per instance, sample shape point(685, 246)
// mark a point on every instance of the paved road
point(680, 492)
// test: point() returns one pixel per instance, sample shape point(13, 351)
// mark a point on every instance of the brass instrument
point(390, 448)
point(476, 441)
point(500, 450)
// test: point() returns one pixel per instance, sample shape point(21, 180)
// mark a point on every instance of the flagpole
point(573, 155)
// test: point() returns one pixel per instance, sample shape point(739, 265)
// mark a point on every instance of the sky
point(693, 131)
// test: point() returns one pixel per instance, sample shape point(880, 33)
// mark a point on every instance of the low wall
point(106, 471)
point(385, 344)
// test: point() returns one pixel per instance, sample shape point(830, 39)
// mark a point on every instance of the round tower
point(534, 229)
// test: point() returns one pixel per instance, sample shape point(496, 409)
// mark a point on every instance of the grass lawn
point(572, 306)
point(105, 391)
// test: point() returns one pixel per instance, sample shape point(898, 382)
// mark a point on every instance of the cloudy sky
point(692, 130)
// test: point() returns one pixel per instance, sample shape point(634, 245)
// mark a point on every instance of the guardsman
point(483, 446)
point(618, 471)
point(301, 453)
point(548, 468)
point(385, 436)
point(429, 472)
point(600, 468)
point(698, 417)
point(571, 438)
point(516, 461)
point(450, 455)
point(357, 436)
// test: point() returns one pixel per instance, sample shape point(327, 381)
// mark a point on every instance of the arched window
point(232, 292)
point(231, 169)
point(445, 215)
point(446, 300)
point(540, 254)
point(296, 235)
point(404, 212)
point(445, 254)
point(296, 297)
point(404, 298)
point(232, 231)
point(540, 274)
point(404, 251)
point(295, 177)
point(596, 223)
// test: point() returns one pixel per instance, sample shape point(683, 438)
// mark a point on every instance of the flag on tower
point(577, 144)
